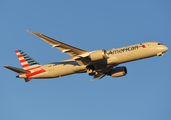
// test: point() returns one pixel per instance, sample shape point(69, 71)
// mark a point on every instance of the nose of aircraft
point(164, 48)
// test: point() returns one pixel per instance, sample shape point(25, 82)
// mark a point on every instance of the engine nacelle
point(118, 72)
point(98, 55)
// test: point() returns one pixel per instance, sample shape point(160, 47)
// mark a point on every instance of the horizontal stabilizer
point(18, 70)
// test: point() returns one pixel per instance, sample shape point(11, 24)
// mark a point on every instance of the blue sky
point(143, 94)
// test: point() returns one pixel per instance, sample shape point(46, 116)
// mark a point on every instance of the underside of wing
point(72, 51)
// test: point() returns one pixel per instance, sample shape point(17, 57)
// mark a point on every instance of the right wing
point(72, 51)
point(77, 53)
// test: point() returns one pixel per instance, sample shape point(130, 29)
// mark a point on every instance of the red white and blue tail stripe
point(27, 62)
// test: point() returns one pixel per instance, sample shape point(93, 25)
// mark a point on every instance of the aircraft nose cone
point(165, 49)
point(162, 48)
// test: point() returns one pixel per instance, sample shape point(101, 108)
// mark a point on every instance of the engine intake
point(98, 55)
point(118, 72)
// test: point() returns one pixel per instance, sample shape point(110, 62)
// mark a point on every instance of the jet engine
point(98, 55)
point(118, 72)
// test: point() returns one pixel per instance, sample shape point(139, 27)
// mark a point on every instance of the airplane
point(96, 63)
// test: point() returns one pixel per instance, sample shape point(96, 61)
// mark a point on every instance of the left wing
point(72, 51)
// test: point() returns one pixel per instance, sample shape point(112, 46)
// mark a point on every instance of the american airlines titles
point(126, 49)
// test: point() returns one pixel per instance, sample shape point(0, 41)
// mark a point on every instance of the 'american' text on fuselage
point(126, 49)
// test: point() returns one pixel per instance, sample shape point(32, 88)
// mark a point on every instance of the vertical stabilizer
point(27, 62)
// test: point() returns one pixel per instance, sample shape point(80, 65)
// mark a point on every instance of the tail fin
point(27, 62)
point(30, 66)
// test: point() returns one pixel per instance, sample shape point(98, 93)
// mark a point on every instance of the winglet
point(35, 33)
point(30, 31)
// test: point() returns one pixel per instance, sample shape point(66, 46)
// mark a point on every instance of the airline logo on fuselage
point(126, 49)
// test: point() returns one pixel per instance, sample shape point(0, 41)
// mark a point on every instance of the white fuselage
point(115, 57)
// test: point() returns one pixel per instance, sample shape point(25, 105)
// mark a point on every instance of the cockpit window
point(160, 44)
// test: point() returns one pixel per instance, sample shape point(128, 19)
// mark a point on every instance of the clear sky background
point(143, 94)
